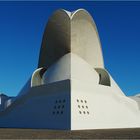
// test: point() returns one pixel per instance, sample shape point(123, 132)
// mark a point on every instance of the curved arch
point(36, 79)
point(56, 39)
point(104, 78)
point(71, 32)
point(84, 38)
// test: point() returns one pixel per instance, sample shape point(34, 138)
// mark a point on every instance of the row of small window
point(84, 112)
point(60, 101)
point(82, 101)
point(59, 106)
point(57, 112)
point(83, 106)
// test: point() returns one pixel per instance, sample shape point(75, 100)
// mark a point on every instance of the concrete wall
point(99, 107)
point(42, 107)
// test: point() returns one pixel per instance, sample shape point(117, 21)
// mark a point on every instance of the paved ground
point(57, 134)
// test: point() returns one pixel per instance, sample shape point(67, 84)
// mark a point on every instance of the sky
point(21, 29)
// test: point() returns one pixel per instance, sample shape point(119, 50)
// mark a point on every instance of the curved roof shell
point(73, 32)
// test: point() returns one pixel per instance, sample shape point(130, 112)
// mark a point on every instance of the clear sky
point(21, 30)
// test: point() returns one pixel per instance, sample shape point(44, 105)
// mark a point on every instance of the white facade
point(71, 89)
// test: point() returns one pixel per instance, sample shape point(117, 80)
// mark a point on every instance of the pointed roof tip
point(71, 14)
point(68, 13)
point(81, 10)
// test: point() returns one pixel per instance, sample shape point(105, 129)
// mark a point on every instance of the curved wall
point(71, 66)
point(71, 32)
point(85, 41)
point(56, 39)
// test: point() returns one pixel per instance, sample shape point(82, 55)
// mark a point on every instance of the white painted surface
point(137, 99)
point(73, 32)
point(35, 109)
point(71, 66)
point(85, 41)
point(106, 108)
point(71, 80)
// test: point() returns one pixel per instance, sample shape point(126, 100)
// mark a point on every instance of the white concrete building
point(71, 89)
